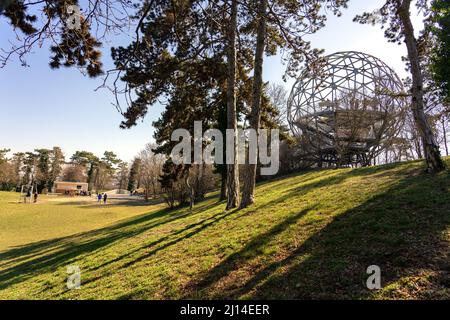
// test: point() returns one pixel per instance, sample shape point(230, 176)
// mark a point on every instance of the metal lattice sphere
point(346, 107)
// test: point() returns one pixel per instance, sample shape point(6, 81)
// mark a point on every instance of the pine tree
point(91, 164)
point(43, 170)
point(133, 178)
point(171, 174)
point(56, 161)
point(72, 44)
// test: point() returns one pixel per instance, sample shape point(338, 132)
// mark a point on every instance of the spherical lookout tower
point(344, 107)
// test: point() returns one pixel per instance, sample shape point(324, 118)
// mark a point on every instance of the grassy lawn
point(310, 236)
point(54, 217)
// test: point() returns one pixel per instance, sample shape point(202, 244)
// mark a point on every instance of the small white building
point(70, 187)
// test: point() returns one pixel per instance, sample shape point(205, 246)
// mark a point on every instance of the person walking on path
point(105, 197)
point(99, 197)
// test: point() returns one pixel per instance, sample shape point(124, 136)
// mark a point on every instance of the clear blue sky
point(42, 108)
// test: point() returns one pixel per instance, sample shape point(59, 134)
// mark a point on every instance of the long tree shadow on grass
point(192, 229)
point(168, 240)
point(307, 184)
point(397, 230)
point(90, 203)
point(112, 202)
point(26, 261)
point(251, 250)
point(23, 262)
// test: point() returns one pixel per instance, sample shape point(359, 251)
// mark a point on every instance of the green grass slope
point(310, 236)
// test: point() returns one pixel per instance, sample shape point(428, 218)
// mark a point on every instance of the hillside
point(310, 236)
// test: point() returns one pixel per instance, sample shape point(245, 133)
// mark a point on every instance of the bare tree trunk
point(418, 147)
point(232, 168)
point(248, 194)
point(223, 186)
point(430, 147)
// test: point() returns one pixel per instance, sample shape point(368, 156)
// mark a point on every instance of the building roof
point(74, 183)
